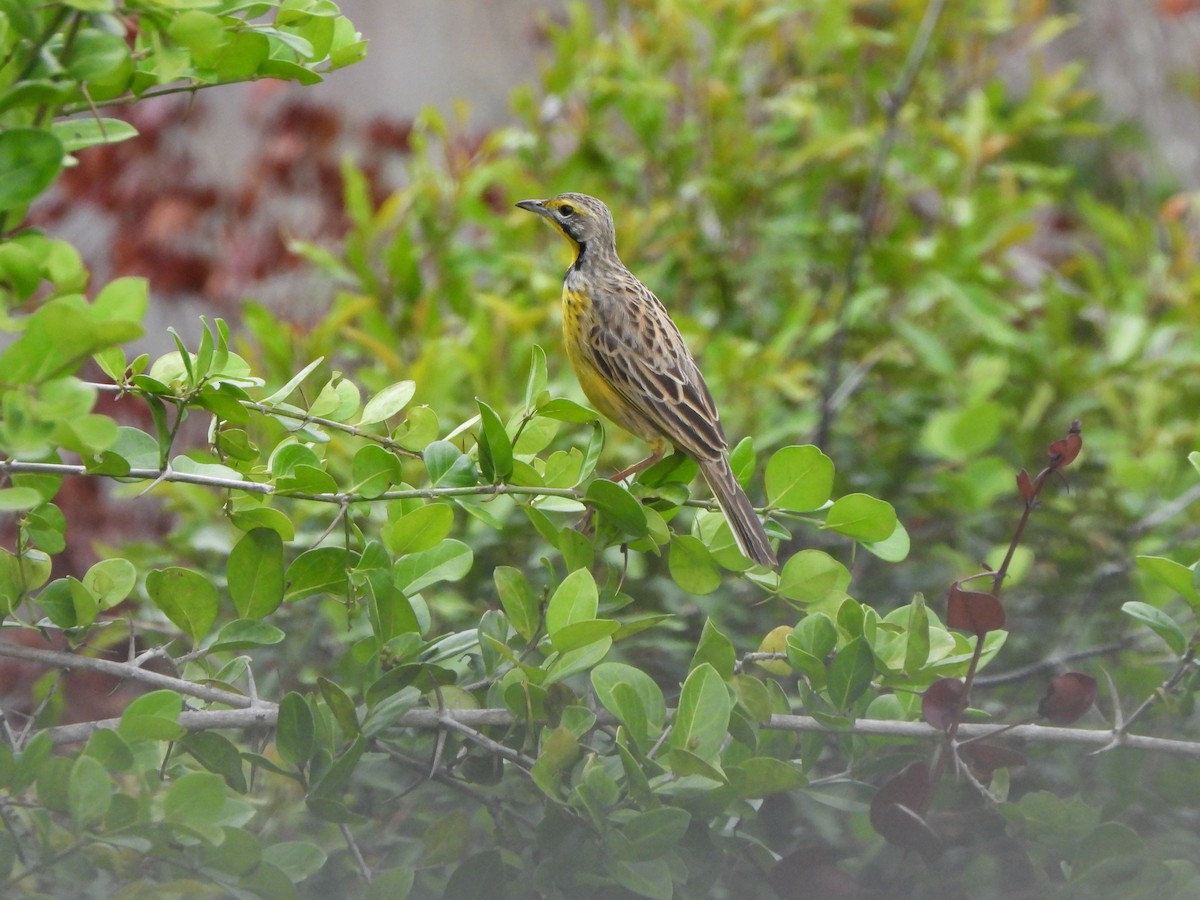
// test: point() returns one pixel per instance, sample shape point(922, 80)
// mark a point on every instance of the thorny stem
point(1030, 490)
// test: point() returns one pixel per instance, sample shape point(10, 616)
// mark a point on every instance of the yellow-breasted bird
point(633, 365)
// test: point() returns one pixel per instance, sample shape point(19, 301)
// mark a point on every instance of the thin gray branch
point(472, 719)
point(122, 670)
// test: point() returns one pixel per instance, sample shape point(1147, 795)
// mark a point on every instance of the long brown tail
point(743, 520)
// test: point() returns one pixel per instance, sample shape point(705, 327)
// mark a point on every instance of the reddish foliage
point(1068, 697)
point(1025, 485)
point(973, 611)
point(898, 810)
point(1063, 451)
point(942, 702)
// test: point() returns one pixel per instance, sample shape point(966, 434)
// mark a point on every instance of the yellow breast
point(577, 316)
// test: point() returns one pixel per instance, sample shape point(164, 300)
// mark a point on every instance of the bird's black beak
point(534, 206)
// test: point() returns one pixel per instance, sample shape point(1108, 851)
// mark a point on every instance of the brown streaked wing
point(652, 368)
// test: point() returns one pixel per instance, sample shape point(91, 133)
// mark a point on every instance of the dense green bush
point(379, 658)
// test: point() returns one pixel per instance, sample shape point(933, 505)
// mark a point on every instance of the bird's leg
point(659, 452)
point(660, 449)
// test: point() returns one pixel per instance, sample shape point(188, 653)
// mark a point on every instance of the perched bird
point(633, 364)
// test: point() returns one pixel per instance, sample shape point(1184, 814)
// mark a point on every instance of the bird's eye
point(566, 211)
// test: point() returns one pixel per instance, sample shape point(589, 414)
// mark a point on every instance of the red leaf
point(942, 702)
point(898, 809)
point(985, 759)
point(1063, 451)
point(973, 611)
point(1025, 485)
point(1068, 697)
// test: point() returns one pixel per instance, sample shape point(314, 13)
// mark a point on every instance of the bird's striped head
point(583, 219)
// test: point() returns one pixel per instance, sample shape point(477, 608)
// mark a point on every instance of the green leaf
point(30, 159)
point(448, 561)
point(154, 717)
point(916, 647)
point(242, 634)
point(578, 660)
point(812, 576)
point(448, 466)
point(799, 478)
point(607, 677)
point(338, 400)
point(422, 529)
point(68, 603)
point(374, 470)
point(714, 649)
point(255, 573)
point(295, 731)
point(517, 599)
point(1158, 622)
point(337, 776)
point(89, 792)
point(702, 716)
point(617, 506)
point(632, 715)
point(111, 581)
point(95, 55)
point(264, 517)
point(850, 673)
point(387, 402)
point(958, 434)
point(78, 134)
point(217, 754)
point(758, 776)
point(296, 859)
point(893, 548)
point(340, 705)
point(1178, 577)
point(575, 600)
point(185, 597)
point(390, 612)
point(391, 884)
point(861, 517)
point(495, 448)
point(58, 337)
point(195, 799)
point(16, 499)
point(691, 565)
point(317, 571)
point(646, 878)
point(537, 377)
point(34, 92)
point(199, 31)
point(109, 749)
point(565, 410)
point(653, 833)
point(591, 455)
point(583, 633)
point(286, 391)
